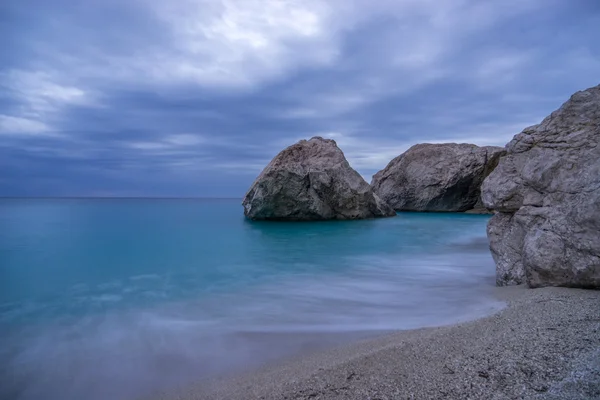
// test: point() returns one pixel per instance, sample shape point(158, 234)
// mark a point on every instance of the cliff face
point(547, 194)
point(311, 180)
point(436, 177)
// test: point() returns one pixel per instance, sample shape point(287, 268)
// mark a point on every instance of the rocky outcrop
point(311, 180)
point(436, 177)
point(547, 194)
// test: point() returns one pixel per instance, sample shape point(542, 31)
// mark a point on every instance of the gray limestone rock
point(547, 192)
point(311, 180)
point(436, 177)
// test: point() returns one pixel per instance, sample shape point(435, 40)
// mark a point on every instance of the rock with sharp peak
point(312, 180)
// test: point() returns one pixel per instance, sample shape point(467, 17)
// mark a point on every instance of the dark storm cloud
point(193, 98)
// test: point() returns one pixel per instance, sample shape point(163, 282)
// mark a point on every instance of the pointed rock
point(311, 180)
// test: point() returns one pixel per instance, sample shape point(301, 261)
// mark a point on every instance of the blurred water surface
point(116, 298)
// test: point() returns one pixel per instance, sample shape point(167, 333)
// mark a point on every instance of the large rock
point(311, 180)
point(547, 192)
point(436, 177)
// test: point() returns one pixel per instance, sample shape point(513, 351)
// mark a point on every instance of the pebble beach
point(544, 345)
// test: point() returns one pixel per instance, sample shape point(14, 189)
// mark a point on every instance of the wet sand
point(544, 345)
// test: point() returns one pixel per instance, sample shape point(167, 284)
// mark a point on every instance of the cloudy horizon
point(192, 98)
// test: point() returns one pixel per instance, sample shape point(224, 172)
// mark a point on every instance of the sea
point(122, 298)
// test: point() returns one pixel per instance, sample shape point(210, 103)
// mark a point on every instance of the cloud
point(18, 125)
point(501, 67)
point(184, 139)
point(196, 96)
point(243, 43)
point(41, 94)
point(169, 142)
point(41, 99)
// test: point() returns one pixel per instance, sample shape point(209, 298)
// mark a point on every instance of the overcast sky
point(194, 97)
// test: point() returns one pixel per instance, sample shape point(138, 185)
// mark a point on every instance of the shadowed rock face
point(547, 194)
point(436, 177)
point(311, 180)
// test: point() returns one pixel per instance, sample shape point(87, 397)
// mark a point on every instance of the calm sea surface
point(115, 298)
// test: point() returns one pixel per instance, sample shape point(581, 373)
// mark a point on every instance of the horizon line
point(123, 197)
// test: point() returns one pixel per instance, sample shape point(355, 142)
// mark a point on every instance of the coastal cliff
point(546, 192)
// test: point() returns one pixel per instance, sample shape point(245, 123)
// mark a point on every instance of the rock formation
point(436, 177)
point(311, 180)
point(547, 194)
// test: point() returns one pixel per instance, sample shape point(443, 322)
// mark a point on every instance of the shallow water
point(117, 298)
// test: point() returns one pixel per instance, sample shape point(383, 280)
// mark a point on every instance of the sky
point(192, 98)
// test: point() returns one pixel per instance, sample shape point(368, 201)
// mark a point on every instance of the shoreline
point(545, 344)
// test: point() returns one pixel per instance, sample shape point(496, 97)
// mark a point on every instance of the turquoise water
point(116, 298)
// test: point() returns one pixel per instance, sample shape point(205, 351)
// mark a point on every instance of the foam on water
point(200, 291)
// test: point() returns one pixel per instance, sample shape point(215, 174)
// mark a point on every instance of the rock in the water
point(436, 177)
point(311, 180)
point(547, 192)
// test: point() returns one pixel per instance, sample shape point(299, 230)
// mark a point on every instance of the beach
point(152, 295)
point(544, 345)
point(300, 200)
